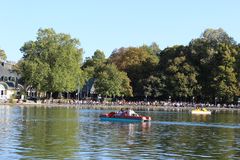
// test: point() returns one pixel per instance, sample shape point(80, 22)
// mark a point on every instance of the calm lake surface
point(73, 133)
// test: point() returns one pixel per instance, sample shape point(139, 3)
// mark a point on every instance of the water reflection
point(200, 118)
point(110, 139)
point(72, 133)
point(48, 130)
point(128, 128)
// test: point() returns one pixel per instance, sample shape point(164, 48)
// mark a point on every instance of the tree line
point(206, 70)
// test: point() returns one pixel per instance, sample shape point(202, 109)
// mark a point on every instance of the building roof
point(6, 70)
point(11, 84)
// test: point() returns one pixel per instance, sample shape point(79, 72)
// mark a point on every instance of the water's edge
point(118, 107)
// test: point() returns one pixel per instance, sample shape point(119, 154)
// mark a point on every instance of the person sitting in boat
point(201, 105)
point(131, 112)
point(120, 113)
point(198, 108)
point(204, 109)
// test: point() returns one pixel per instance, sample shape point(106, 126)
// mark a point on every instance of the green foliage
point(90, 64)
point(125, 58)
point(237, 64)
point(109, 80)
point(138, 63)
point(112, 82)
point(181, 76)
point(208, 67)
point(52, 62)
point(152, 49)
point(217, 36)
point(214, 57)
point(154, 86)
point(97, 59)
point(225, 81)
point(35, 73)
point(3, 55)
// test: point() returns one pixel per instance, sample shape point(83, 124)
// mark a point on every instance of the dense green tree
point(125, 58)
point(152, 49)
point(92, 63)
point(225, 82)
point(202, 54)
point(98, 58)
point(154, 86)
point(206, 68)
point(112, 82)
point(181, 76)
point(34, 73)
point(214, 57)
point(237, 66)
point(109, 80)
point(52, 62)
point(218, 36)
point(139, 63)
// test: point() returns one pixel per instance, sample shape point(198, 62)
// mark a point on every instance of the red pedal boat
point(112, 116)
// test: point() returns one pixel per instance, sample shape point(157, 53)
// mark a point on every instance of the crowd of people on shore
point(139, 103)
point(125, 103)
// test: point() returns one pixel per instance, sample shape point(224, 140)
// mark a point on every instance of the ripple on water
point(70, 133)
point(199, 124)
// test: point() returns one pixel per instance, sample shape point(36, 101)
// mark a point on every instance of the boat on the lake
point(201, 111)
point(113, 116)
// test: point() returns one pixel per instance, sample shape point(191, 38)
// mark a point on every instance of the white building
point(8, 80)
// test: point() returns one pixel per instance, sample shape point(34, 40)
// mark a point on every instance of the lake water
point(73, 133)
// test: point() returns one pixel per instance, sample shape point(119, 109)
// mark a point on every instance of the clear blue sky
point(110, 24)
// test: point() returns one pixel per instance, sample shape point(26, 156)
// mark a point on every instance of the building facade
point(8, 80)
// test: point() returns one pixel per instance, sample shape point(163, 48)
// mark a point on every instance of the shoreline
point(118, 107)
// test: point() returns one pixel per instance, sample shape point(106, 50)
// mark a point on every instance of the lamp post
point(78, 90)
point(193, 100)
point(215, 101)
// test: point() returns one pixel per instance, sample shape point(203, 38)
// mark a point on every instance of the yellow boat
point(199, 111)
